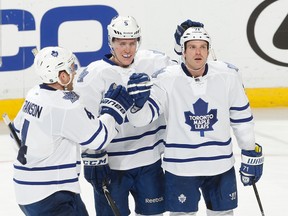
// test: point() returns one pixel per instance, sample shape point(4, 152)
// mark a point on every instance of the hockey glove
point(139, 86)
point(252, 165)
point(96, 168)
point(116, 102)
point(180, 30)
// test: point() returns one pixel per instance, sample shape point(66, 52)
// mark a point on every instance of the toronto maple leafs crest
point(72, 96)
point(182, 198)
point(82, 75)
point(201, 120)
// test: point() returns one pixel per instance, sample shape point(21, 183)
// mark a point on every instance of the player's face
point(196, 54)
point(124, 51)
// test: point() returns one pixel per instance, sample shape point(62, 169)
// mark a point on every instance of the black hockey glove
point(96, 168)
point(116, 102)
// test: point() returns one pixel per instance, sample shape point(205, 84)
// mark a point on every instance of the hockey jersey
point(51, 125)
point(200, 113)
point(132, 147)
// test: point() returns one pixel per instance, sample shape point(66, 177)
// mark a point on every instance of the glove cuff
point(113, 108)
point(96, 159)
point(253, 161)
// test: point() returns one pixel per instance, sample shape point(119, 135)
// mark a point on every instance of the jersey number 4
point(23, 148)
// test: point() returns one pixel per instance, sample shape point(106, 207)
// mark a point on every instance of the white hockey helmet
point(123, 28)
point(49, 61)
point(194, 33)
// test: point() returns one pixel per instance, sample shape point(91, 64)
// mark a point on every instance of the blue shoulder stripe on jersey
point(153, 113)
point(240, 108)
point(241, 120)
point(220, 157)
point(155, 105)
point(56, 167)
point(194, 146)
point(46, 182)
point(147, 148)
point(148, 133)
point(105, 138)
point(95, 135)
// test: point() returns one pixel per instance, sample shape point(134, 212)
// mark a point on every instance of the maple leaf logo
point(72, 96)
point(202, 120)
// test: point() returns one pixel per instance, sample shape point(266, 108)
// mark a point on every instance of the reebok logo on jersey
point(201, 120)
point(155, 200)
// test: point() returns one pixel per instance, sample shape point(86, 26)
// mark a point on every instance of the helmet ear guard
point(50, 61)
point(122, 27)
point(194, 33)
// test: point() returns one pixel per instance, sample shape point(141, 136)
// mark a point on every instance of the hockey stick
point(12, 131)
point(110, 199)
point(258, 198)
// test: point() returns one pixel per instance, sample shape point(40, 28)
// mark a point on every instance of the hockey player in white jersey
point(53, 125)
point(135, 153)
point(201, 101)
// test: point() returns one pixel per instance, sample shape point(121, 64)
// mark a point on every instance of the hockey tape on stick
point(12, 131)
point(110, 200)
point(258, 199)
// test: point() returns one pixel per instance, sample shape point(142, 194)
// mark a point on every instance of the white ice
point(271, 128)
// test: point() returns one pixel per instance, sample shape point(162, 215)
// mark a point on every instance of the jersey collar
point(184, 68)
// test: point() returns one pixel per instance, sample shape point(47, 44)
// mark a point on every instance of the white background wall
point(225, 20)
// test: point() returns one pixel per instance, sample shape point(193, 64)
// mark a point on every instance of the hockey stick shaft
point(258, 198)
point(12, 131)
point(110, 200)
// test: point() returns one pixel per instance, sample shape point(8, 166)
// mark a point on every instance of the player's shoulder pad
point(170, 70)
point(93, 69)
point(231, 66)
point(157, 73)
point(223, 66)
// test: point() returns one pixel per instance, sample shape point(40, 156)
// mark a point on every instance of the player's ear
point(63, 76)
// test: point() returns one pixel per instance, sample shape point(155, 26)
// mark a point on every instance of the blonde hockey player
point(134, 155)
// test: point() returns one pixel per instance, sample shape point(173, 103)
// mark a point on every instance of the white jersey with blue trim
point(132, 147)
point(51, 124)
point(200, 113)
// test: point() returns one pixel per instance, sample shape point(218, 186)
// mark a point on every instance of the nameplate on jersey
point(32, 109)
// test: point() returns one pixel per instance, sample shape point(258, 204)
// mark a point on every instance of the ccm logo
point(49, 26)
